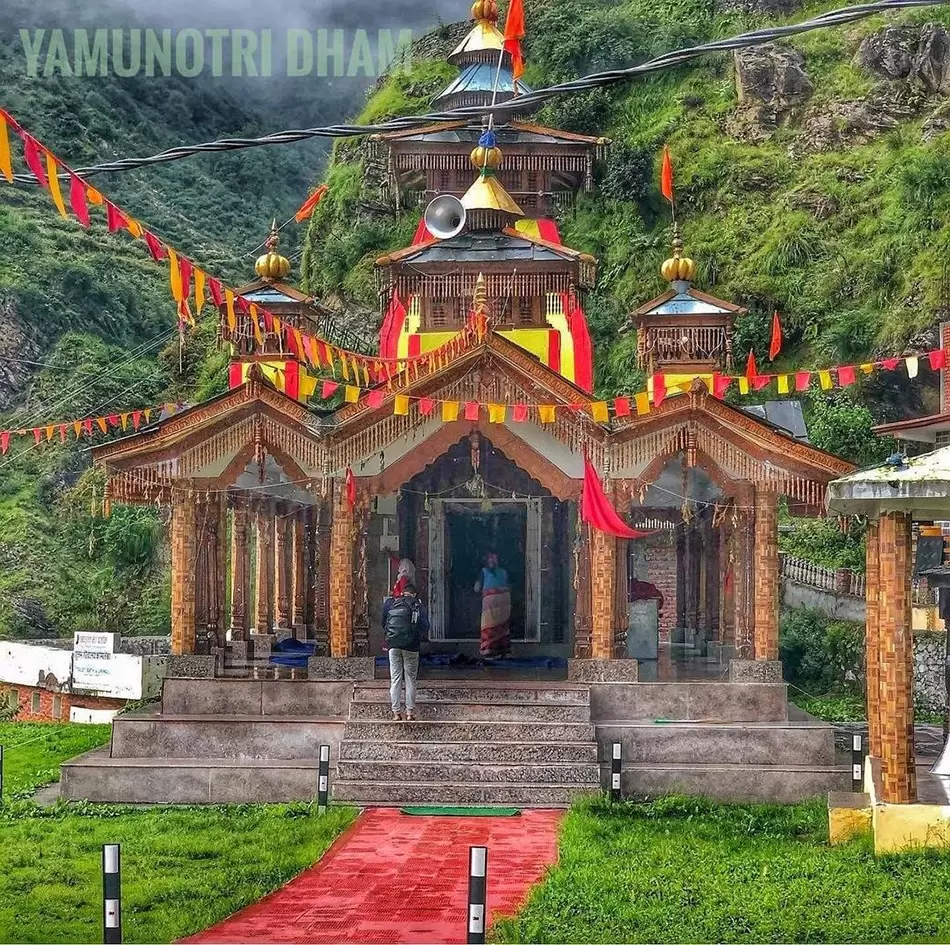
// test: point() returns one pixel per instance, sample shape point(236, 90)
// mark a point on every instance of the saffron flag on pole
point(751, 370)
point(514, 33)
point(597, 510)
point(775, 346)
point(310, 204)
point(666, 175)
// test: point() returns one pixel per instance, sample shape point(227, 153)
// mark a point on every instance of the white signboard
point(92, 661)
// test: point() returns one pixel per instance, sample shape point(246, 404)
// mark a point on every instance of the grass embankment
point(183, 868)
point(687, 870)
point(32, 752)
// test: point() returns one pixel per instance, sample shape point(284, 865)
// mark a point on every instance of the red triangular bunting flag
point(659, 389)
point(520, 413)
point(155, 246)
point(4, 442)
point(471, 410)
point(721, 384)
point(760, 381)
point(750, 369)
point(938, 359)
point(622, 406)
point(328, 389)
point(426, 406)
point(891, 363)
point(375, 398)
point(802, 380)
point(775, 346)
point(846, 375)
point(77, 200)
point(31, 154)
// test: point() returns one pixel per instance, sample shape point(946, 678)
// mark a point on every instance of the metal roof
point(684, 303)
point(480, 77)
point(268, 294)
point(486, 246)
point(787, 415)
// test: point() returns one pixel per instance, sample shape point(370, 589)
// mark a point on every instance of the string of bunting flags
point(191, 286)
point(638, 404)
point(89, 426)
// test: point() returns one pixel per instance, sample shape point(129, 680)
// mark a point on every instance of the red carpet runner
point(395, 878)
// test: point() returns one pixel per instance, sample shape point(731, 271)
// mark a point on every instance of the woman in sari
point(493, 585)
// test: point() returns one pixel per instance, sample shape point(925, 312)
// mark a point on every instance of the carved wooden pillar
point(300, 571)
point(183, 552)
point(742, 581)
point(265, 567)
point(766, 574)
point(582, 595)
point(603, 575)
point(323, 521)
point(341, 565)
point(872, 655)
point(896, 661)
point(222, 567)
point(712, 583)
point(213, 571)
point(240, 574)
point(282, 569)
point(361, 517)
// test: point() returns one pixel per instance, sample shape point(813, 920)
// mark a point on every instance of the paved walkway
point(396, 878)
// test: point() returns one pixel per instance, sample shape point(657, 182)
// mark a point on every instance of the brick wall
point(53, 706)
point(945, 373)
point(661, 572)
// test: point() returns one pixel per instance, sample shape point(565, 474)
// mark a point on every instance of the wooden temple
point(287, 519)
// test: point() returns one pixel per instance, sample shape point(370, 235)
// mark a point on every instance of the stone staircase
point(725, 741)
point(529, 745)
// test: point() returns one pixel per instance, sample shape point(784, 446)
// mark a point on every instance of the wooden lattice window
point(524, 310)
point(445, 180)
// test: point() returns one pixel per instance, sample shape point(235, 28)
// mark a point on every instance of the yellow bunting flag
point(6, 164)
point(351, 394)
point(50, 430)
point(825, 378)
point(346, 367)
point(174, 275)
point(308, 386)
point(147, 413)
point(255, 324)
point(401, 405)
point(743, 385)
point(867, 368)
point(276, 324)
point(783, 383)
point(912, 366)
point(77, 428)
point(450, 411)
point(496, 413)
point(546, 413)
point(101, 423)
point(94, 197)
point(124, 417)
point(229, 302)
point(199, 290)
point(134, 227)
point(598, 410)
point(643, 403)
point(52, 175)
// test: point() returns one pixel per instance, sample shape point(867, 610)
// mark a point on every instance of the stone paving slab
point(396, 878)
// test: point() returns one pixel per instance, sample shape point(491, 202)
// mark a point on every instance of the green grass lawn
point(686, 870)
point(32, 751)
point(183, 868)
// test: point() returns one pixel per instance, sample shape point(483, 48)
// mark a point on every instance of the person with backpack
point(406, 624)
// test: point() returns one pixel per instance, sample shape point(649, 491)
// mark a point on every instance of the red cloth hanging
point(583, 349)
point(350, 488)
point(392, 327)
point(597, 510)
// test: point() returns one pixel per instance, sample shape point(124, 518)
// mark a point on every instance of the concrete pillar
point(603, 574)
point(183, 554)
point(240, 574)
point(340, 566)
point(300, 571)
point(872, 639)
point(766, 573)
point(320, 576)
point(582, 595)
point(265, 567)
point(282, 570)
point(896, 660)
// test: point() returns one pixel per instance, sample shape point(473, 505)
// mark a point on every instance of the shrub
point(819, 652)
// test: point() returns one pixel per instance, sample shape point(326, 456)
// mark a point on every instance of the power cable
point(519, 104)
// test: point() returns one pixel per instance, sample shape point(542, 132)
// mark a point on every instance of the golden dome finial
point(480, 296)
point(272, 266)
point(485, 10)
point(678, 268)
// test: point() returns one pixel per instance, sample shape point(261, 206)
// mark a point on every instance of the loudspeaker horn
point(445, 217)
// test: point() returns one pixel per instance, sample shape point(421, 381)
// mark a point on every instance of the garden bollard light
point(323, 783)
point(477, 883)
point(615, 761)
point(857, 763)
point(111, 895)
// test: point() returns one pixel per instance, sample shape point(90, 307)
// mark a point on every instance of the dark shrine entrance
point(472, 500)
point(473, 529)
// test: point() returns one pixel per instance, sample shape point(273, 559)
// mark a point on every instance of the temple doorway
point(472, 529)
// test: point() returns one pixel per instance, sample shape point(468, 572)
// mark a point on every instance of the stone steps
point(283, 738)
point(693, 743)
point(429, 691)
point(390, 793)
point(690, 701)
point(773, 784)
point(471, 752)
point(467, 731)
point(97, 777)
point(446, 772)
point(442, 710)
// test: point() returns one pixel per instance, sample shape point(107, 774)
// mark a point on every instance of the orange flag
point(6, 165)
point(310, 204)
point(751, 370)
point(514, 33)
point(666, 175)
point(776, 344)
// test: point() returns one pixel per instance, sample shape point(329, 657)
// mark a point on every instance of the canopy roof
point(685, 299)
point(919, 486)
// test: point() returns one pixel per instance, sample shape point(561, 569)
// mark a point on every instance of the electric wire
point(519, 104)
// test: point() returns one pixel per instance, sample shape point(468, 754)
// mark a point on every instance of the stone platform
point(511, 742)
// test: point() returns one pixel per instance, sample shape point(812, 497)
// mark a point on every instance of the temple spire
point(679, 270)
